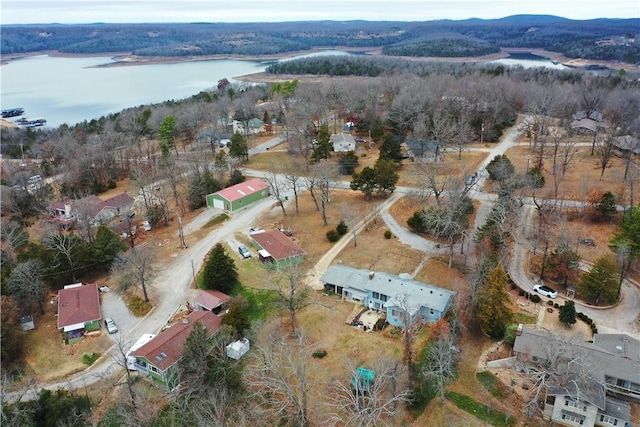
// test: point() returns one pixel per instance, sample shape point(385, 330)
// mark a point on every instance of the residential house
point(403, 299)
point(276, 250)
point(78, 311)
point(255, 126)
point(343, 142)
point(627, 144)
point(587, 122)
point(597, 399)
point(211, 300)
point(239, 196)
point(159, 357)
point(421, 148)
point(90, 208)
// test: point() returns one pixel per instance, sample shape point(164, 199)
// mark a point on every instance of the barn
point(239, 196)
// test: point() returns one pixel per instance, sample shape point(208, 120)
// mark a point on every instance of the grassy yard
point(375, 252)
point(48, 357)
point(582, 177)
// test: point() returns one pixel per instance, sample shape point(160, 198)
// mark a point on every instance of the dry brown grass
point(582, 178)
point(309, 231)
point(375, 252)
point(450, 165)
point(437, 272)
point(48, 357)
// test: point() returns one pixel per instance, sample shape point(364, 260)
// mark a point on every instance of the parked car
point(255, 230)
point(104, 288)
point(545, 291)
point(146, 226)
point(244, 252)
point(111, 326)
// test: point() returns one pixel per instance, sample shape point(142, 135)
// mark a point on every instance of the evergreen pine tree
point(567, 313)
point(493, 313)
point(220, 272)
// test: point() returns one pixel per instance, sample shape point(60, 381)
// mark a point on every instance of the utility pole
point(181, 233)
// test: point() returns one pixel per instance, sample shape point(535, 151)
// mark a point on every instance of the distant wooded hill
point(602, 39)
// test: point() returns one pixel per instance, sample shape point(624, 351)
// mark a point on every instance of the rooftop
point(78, 304)
point(402, 289)
point(238, 191)
point(168, 347)
point(277, 244)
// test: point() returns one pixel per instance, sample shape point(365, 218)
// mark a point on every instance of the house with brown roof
point(159, 358)
point(211, 300)
point(78, 310)
point(90, 208)
point(239, 196)
point(276, 250)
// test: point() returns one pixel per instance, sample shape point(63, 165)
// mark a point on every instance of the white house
point(343, 142)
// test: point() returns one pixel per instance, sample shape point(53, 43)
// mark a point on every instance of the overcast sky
point(86, 11)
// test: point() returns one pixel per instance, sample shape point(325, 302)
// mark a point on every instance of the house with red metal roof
point(239, 196)
point(78, 311)
point(276, 250)
point(159, 358)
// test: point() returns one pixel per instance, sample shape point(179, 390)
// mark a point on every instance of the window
point(376, 295)
point(383, 297)
point(154, 369)
point(377, 306)
point(395, 313)
point(609, 420)
point(574, 404)
point(573, 417)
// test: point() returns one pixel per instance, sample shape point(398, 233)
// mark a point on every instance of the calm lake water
point(70, 90)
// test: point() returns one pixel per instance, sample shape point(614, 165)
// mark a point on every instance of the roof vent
point(185, 320)
point(371, 274)
point(619, 348)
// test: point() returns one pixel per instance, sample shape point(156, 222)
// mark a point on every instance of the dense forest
point(599, 39)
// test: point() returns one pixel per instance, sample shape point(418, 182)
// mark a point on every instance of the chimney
point(371, 274)
point(185, 320)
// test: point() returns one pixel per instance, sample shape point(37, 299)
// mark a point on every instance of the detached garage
point(239, 196)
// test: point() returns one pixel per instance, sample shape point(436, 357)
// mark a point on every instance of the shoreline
point(124, 59)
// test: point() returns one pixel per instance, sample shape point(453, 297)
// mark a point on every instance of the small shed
point(211, 300)
point(238, 348)
point(26, 322)
point(239, 196)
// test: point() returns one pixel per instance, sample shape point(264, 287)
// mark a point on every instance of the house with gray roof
point(343, 142)
point(403, 299)
point(600, 376)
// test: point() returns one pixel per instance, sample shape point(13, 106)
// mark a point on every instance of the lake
point(71, 90)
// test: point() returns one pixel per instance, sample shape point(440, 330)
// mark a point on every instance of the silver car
point(111, 326)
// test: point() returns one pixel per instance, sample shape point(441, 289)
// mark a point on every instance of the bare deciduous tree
point(278, 185)
point(137, 269)
point(26, 284)
point(379, 404)
point(293, 293)
point(278, 378)
point(65, 245)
